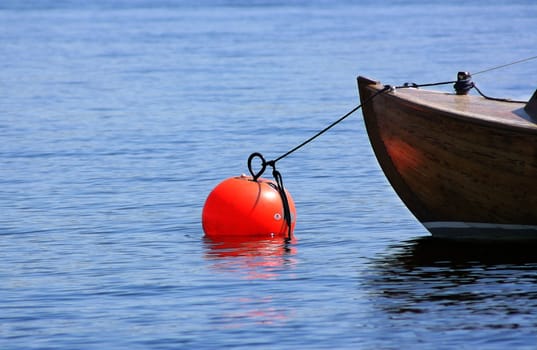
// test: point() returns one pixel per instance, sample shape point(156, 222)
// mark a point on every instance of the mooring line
point(506, 65)
point(278, 176)
point(406, 85)
point(386, 88)
point(462, 85)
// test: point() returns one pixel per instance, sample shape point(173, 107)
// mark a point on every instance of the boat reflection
point(430, 251)
point(429, 275)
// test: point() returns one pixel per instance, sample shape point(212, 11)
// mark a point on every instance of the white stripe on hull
point(481, 230)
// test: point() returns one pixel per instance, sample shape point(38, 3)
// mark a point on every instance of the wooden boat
point(465, 166)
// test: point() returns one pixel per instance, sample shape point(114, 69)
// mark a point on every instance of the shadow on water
point(429, 275)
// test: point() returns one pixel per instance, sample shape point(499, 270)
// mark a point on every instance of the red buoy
point(242, 207)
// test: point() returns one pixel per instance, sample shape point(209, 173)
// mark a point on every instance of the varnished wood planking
point(457, 161)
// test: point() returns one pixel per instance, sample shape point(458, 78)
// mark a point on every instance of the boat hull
point(465, 168)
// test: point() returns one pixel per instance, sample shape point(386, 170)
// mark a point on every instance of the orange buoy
point(242, 207)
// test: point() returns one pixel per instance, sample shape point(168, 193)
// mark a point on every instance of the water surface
point(118, 118)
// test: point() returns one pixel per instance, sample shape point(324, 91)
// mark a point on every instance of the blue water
point(117, 118)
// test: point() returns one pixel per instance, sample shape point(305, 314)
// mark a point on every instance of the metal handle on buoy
point(255, 176)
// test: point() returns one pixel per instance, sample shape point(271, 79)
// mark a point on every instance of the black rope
point(255, 175)
point(279, 185)
point(278, 176)
point(414, 85)
point(462, 86)
point(281, 190)
point(254, 155)
point(386, 88)
point(496, 98)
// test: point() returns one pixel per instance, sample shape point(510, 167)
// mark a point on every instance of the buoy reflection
point(252, 258)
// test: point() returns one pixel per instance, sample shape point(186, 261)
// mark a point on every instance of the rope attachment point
point(264, 164)
point(279, 185)
point(463, 84)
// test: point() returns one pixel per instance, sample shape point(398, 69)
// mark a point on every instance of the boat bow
point(465, 166)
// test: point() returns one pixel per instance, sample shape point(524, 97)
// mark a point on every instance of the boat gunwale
point(410, 99)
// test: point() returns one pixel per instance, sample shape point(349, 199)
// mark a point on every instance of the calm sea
point(117, 119)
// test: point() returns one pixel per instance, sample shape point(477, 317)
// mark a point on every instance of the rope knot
point(464, 83)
